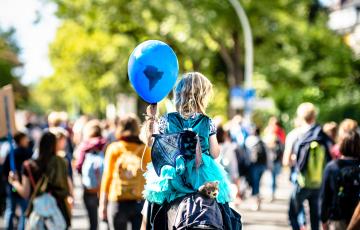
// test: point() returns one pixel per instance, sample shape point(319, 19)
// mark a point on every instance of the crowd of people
point(111, 157)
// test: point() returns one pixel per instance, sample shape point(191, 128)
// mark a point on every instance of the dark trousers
point(296, 209)
point(91, 201)
point(256, 171)
point(12, 200)
point(275, 171)
point(121, 212)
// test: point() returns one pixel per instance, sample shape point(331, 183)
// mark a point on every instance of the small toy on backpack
point(210, 189)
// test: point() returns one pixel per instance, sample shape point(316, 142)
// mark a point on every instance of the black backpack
point(347, 190)
point(258, 153)
point(193, 211)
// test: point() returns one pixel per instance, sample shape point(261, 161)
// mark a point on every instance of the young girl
point(192, 95)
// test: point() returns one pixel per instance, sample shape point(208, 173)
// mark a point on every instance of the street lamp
point(249, 53)
point(249, 50)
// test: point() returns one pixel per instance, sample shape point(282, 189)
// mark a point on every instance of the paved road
point(273, 215)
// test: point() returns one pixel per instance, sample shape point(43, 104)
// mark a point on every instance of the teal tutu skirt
point(169, 185)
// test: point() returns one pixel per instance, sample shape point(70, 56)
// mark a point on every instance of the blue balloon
point(153, 69)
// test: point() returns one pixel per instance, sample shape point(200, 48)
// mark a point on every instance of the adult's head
point(21, 140)
point(330, 128)
point(61, 137)
point(54, 119)
point(306, 112)
point(47, 149)
point(345, 127)
point(350, 145)
point(92, 129)
point(128, 126)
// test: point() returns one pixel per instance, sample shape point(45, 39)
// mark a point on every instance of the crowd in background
point(110, 158)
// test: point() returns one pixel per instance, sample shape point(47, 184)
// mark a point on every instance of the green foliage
point(8, 63)
point(297, 58)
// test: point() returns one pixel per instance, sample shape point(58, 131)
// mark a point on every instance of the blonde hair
point(192, 94)
point(306, 111)
point(345, 127)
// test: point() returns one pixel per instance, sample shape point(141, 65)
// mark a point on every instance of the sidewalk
point(272, 215)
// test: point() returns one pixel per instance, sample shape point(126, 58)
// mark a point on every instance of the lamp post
point(249, 50)
point(249, 53)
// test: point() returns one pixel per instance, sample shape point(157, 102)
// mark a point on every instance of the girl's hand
point(13, 177)
point(151, 110)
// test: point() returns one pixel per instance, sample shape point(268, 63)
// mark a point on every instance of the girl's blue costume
point(170, 184)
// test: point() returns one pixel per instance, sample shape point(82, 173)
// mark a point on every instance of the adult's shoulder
point(332, 166)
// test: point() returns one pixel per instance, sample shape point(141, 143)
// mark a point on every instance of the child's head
point(192, 94)
point(21, 140)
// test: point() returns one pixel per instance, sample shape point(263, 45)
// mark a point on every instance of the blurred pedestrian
point(60, 120)
point(259, 161)
point(274, 137)
point(274, 127)
point(311, 152)
point(123, 182)
point(341, 185)
point(330, 128)
point(48, 165)
point(22, 152)
point(61, 141)
point(228, 157)
point(345, 126)
point(90, 164)
point(237, 130)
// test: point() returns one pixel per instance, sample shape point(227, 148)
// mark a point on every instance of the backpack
point(128, 176)
point(92, 170)
point(204, 213)
point(193, 211)
point(347, 190)
point(44, 213)
point(312, 156)
point(258, 153)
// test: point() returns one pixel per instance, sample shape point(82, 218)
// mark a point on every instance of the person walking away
point(341, 185)
point(123, 181)
point(274, 138)
point(331, 129)
point(49, 173)
point(259, 161)
point(345, 126)
point(311, 154)
point(228, 157)
point(59, 121)
point(90, 165)
point(61, 142)
point(22, 152)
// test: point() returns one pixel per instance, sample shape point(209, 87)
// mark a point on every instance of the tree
point(292, 61)
point(9, 62)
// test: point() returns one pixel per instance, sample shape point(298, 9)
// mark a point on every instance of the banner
point(7, 111)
